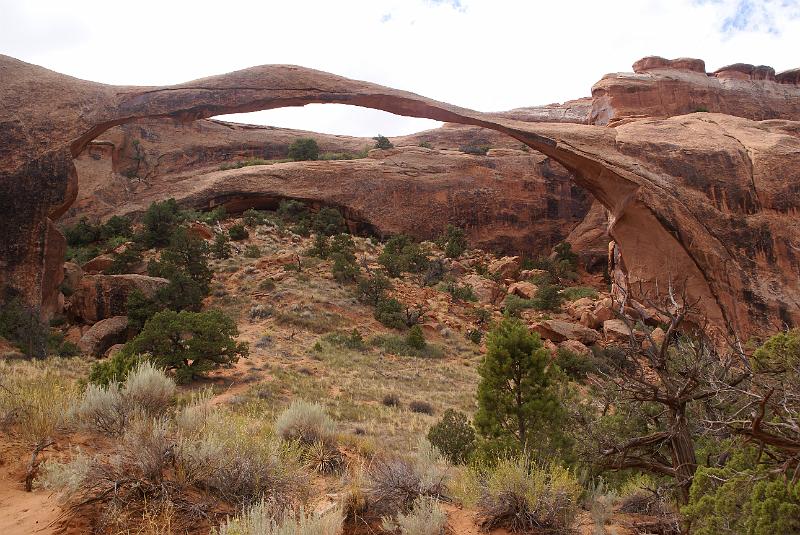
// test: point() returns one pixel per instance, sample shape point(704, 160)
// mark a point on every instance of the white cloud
point(482, 54)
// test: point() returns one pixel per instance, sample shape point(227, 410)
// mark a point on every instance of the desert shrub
point(253, 217)
point(268, 518)
point(398, 345)
point(514, 305)
point(148, 389)
point(305, 422)
point(393, 484)
point(140, 308)
point(391, 400)
point(781, 352)
point(435, 272)
point(477, 150)
point(548, 297)
point(35, 400)
point(238, 232)
point(303, 149)
point(350, 340)
point(461, 292)
point(55, 475)
point(109, 408)
point(519, 394)
point(292, 211)
point(328, 222)
point(221, 247)
point(382, 142)
point(529, 498)
point(113, 369)
point(391, 313)
point(191, 343)
point(125, 260)
point(159, 221)
point(252, 251)
point(344, 267)
point(59, 347)
point(577, 367)
point(81, 233)
point(425, 518)
point(741, 497)
point(372, 288)
point(425, 145)
point(421, 407)
point(453, 436)
point(402, 255)
point(186, 255)
point(577, 292)
point(20, 325)
point(415, 338)
point(475, 336)
point(116, 226)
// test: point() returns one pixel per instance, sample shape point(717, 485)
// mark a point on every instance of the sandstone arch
point(664, 227)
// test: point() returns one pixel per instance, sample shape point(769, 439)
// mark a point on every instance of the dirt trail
point(21, 512)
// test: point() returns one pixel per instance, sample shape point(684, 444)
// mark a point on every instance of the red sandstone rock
point(104, 334)
point(487, 291)
point(104, 296)
point(616, 330)
point(524, 289)
point(506, 267)
point(98, 264)
point(559, 330)
point(708, 199)
point(576, 347)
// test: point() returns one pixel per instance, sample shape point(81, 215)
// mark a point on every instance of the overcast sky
point(487, 55)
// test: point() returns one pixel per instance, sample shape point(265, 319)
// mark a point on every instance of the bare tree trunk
point(683, 455)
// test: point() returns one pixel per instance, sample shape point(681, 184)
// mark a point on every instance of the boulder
point(201, 230)
point(98, 264)
point(72, 277)
point(506, 267)
point(524, 289)
point(487, 291)
point(104, 334)
point(559, 330)
point(576, 347)
point(113, 349)
point(104, 296)
point(590, 320)
point(616, 330)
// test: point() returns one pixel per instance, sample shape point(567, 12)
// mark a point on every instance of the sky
point(488, 55)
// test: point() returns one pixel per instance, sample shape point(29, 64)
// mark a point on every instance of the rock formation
point(706, 200)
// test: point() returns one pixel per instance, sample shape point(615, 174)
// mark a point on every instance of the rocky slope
point(704, 200)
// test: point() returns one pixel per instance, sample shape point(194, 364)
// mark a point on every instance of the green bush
point(577, 292)
point(398, 345)
point(185, 264)
point(453, 241)
point(237, 232)
point(372, 288)
point(548, 297)
point(461, 292)
point(382, 142)
point(453, 436)
point(114, 369)
point(402, 255)
point(252, 251)
point(159, 221)
point(477, 150)
point(576, 367)
point(391, 313)
point(124, 261)
point(304, 149)
point(344, 268)
point(328, 221)
point(292, 211)
point(221, 248)
point(139, 309)
point(350, 340)
point(253, 217)
point(82, 233)
point(191, 343)
point(514, 305)
point(415, 338)
point(780, 353)
point(116, 226)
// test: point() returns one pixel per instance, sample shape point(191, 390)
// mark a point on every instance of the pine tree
point(519, 404)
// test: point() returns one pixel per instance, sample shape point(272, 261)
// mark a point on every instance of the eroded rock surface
point(706, 200)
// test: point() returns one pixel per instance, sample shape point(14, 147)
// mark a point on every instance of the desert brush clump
point(392, 484)
point(425, 518)
point(267, 518)
point(305, 422)
point(529, 498)
point(109, 409)
point(453, 436)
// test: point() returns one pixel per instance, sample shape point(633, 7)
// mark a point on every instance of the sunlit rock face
point(707, 198)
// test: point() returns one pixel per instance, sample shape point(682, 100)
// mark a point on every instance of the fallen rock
point(113, 349)
point(201, 230)
point(524, 289)
point(616, 330)
point(576, 347)
point(506, 267)
point(98, 264)
point(104, 334)
point(104, 296)
point(487, 291)
point(72, 277)
point(590, 320)
point(559, 331)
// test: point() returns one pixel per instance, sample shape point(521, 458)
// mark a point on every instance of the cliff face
point(706, 200)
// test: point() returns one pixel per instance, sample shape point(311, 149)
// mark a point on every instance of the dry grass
point(267, 518)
